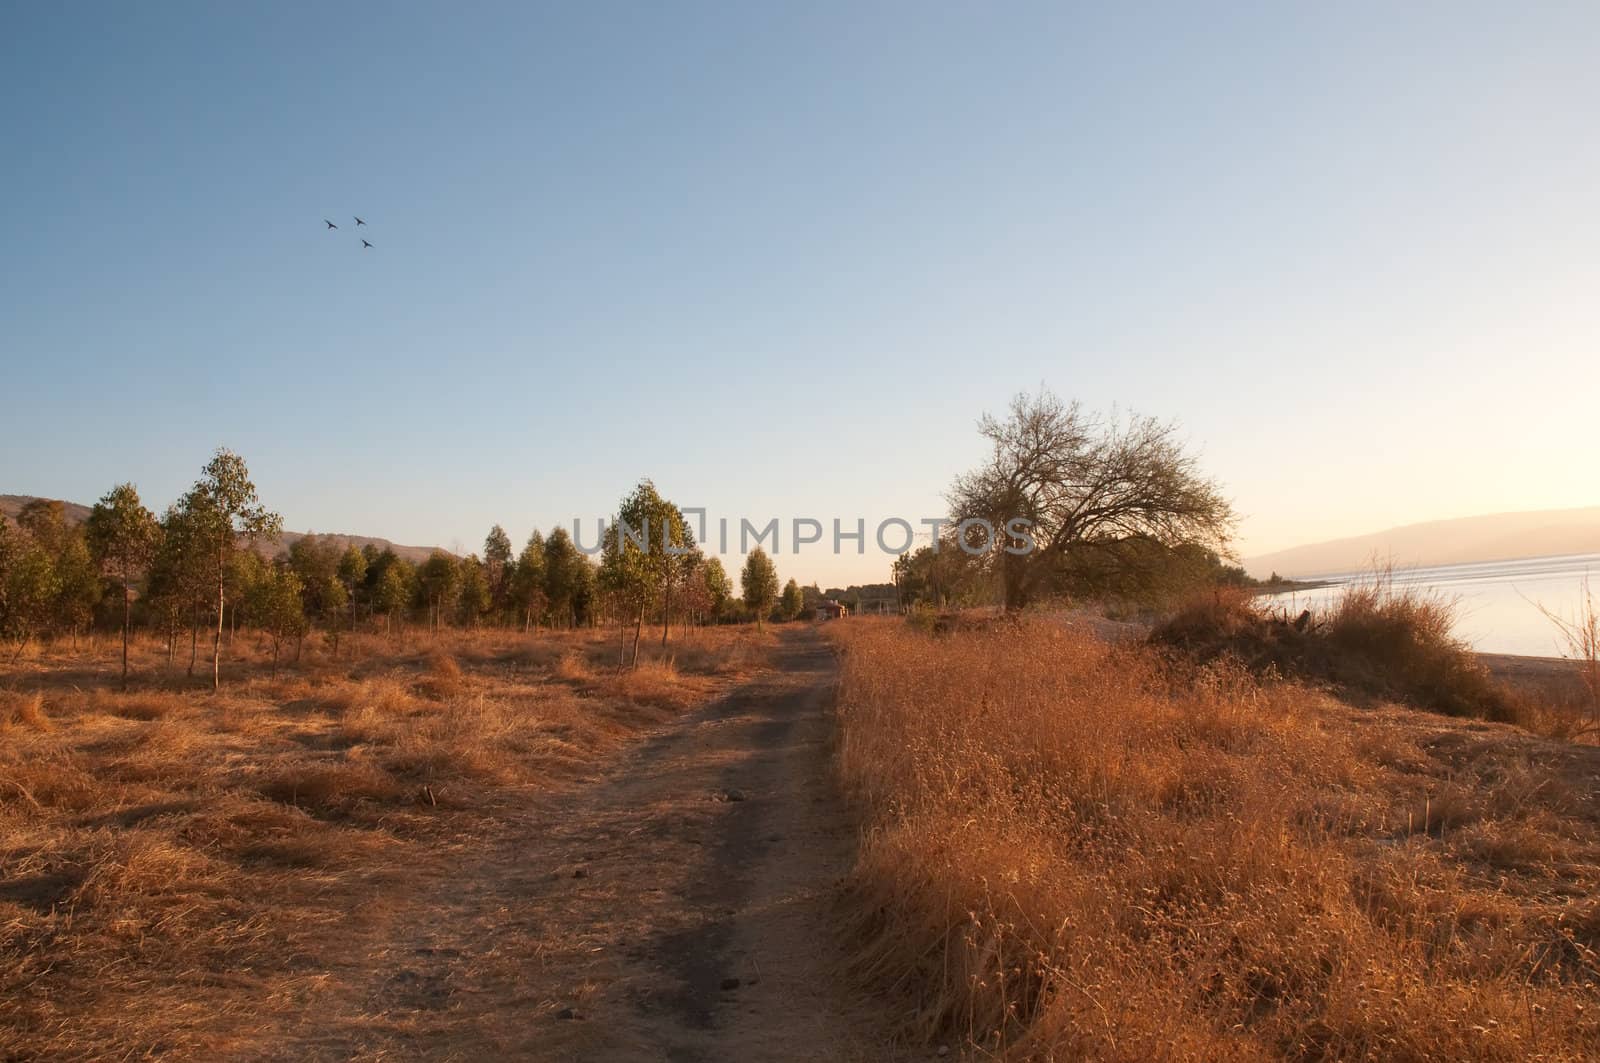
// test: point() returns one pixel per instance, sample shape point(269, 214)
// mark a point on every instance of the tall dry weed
point(1067, 855)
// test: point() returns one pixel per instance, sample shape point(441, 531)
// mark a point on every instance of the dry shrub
point(651, 682)
point(725, 651)
point(1377, 640)
point(1066, 856)
point(371, 709)
point(331, 788)
point(573, 667)
point(23, 710)
point(136, 706)
point(443, 678)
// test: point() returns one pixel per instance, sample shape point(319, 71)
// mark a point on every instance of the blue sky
point(780, 258)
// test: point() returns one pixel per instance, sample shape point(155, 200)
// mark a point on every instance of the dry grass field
point(1079, 851)
point(176, 865)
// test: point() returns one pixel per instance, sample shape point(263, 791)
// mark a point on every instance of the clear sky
point(780, 257)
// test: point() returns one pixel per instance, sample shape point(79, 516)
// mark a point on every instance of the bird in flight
point(365, 245)
point(359, 221)
point(329, 224)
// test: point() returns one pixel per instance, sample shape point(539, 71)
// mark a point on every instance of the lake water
point(1497, 601)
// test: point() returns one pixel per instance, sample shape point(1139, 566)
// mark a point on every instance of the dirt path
point(675, 907)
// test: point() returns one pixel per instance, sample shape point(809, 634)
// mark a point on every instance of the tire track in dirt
point(675, 907)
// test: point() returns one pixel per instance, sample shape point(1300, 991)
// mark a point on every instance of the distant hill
point(1493, 537)
point(11, 505)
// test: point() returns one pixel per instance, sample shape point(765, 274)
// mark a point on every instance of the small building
point(828, 609)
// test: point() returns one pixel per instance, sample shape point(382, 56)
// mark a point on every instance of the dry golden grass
point(1077, 851)
point(172, 860)
point(1379, 640)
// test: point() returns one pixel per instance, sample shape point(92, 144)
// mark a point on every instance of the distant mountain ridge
point(11, 505)
point(1491, 537)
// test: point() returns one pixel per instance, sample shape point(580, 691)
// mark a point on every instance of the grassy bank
point(1075, 851)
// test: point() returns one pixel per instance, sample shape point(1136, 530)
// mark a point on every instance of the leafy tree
point(1078, 478)
point(245, 569)
point(45, 521)
point(176, 584)
point(497, 570)
point(335, 600)
point(637, 560)
point(226, 510)
point(942, 576)
point(27, 585)
point(352, 575)
point(564, 572)
point(122, 537)
point(74, 585)
point(393, 590)
point(473, 599)
point(682, 584)
point(759, 581)
point(585, 593)
point(77, 584)
point(439, 578)
point(719, 588)
point(527, 581)
point(315, 559)
point(277, 605)
point(792, 602)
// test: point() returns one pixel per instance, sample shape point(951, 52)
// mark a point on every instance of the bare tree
point(1076, 478)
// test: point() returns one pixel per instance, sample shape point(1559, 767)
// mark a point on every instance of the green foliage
point(1141, 572)
point(393, 589)
point(352, 568)
point(527, 581)
point(719, 587)
point(275, 602)
point(637, 561)
point(27, 584)
point(225, 508)
point(759, 581)
point(792, 602)
point(439, 579)
point(177, 580)
point(225, 512)
point(498, 569)
point(335, 599)
point(51, 582)
point(585, 592)
point(77, 584)
point(316, 559)
point(44, 521)
point(566, 574)
point(121, 534)
point(472, 597)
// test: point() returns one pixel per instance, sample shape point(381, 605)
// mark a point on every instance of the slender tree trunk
point(194, 637)
point(125, 611)
point(638, 630)
point(216, 643)
point(666, 608)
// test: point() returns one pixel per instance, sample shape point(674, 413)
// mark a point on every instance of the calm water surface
point(1497, 601)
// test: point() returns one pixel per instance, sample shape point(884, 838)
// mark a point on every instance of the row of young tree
point(199, 569)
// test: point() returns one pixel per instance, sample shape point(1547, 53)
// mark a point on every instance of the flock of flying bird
point(359, 224)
